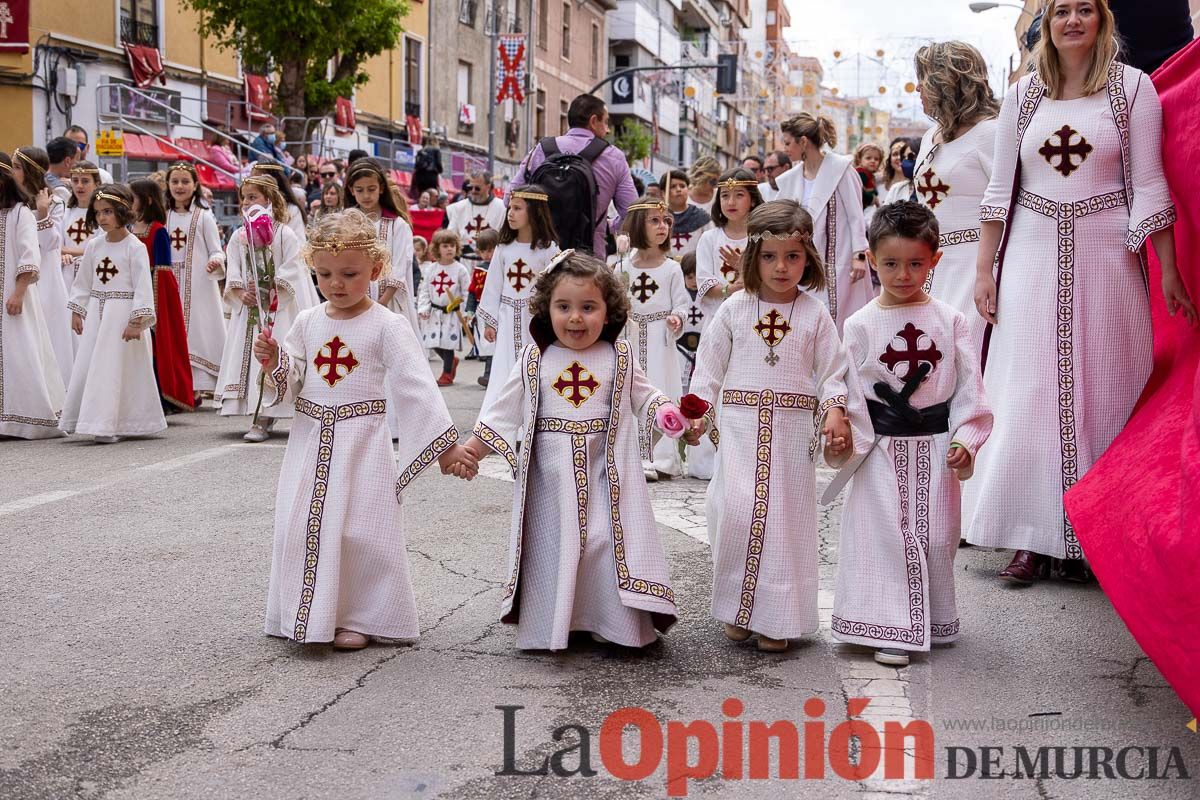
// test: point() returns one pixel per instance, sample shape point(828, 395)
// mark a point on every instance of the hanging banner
point(14, 26)
point(344, 118)
point(510, 67)
point(258, 97)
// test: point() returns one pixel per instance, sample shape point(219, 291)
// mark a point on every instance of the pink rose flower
point(261, 230)
point(670, 421)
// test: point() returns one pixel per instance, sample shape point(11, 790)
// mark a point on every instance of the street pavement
point(134, 665)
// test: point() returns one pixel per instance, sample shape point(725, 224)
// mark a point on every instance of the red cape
point(1137, 511)
point(172, 365)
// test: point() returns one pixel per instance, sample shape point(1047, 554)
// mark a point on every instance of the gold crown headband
point(648, 206)
point(29, 161)
point(5, 167)
point(85, 170)
point(256, 180)
point(261, 165)
point(372, 246)
point(780, 237)
point(184, 165)
point(545, 198)
point(734, 184)
point(112, 198)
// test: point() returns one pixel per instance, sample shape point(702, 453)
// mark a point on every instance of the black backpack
point(568, 179)
point(426, 161)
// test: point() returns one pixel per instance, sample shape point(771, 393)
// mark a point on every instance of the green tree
point(634, 139)
point(299, 39)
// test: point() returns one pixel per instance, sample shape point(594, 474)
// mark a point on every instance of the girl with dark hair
point(169, 334)
point(29, 167)
point(900, 171)
point(297, 215)
point(198, 262)
point(657, 302)
point(368, 189)
point(584, 553)
point(85, 177)
point(31, 386)
point(719, 253)
point(526, 247)
point(827, 186)
point(112, 391)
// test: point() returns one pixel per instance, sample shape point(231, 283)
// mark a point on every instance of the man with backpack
point(583, 174)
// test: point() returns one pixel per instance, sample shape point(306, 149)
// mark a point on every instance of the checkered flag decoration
point(510, 72)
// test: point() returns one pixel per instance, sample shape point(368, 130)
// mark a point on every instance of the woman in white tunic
point(658, 301)
point(955, 165)
point(31, 388)
point(526, 247)
point(113, 392)
point(339, 565)
point(829, 189)
point(198, 261)
point(1076, 191)
point(584, 553)
point(240, 383)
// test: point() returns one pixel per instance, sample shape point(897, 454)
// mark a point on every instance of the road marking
point(36, 500)
point(183, 461)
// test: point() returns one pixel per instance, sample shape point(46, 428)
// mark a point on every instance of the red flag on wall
point(510, 69)
point(258, 97)
point(144, 62)
point(14, 26)
point(343, 116)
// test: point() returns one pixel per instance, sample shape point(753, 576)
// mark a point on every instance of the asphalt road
point(133, 663)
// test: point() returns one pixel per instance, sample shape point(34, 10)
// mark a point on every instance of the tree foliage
point(299, 39)
point(634, 139)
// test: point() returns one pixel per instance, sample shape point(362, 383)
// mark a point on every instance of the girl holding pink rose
point(267, 285)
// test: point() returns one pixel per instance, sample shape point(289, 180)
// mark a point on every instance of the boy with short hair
point(900, 520)
point(486, 242)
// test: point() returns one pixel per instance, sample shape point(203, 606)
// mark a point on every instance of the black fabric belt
point(927, 421)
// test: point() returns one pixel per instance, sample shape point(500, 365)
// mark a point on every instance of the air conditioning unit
point(67, 81)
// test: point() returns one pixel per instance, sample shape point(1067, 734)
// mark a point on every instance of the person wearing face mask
point(266, 144)
point(898, 171)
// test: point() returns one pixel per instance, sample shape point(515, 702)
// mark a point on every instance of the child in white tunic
point(367, 189)
point(198, 261)
point(85, 179)
point(657, 303)
point(719, 253)
point(700, 460)
point(772, 363)
point(112, 391)
point(240, 389)
point(584, 554)
point(297, 217)
point(339, 565)
point(31, 387)
point(915, 361)
point(526, 247)
point(444, 285)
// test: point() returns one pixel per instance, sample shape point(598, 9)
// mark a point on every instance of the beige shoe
point(892, 656)
point(769, 645)
point(257, 433)
point(735, 634)
point(598, 639)
point(344, 639)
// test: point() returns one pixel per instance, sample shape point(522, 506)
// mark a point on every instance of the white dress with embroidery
point(195, 241)
point(240, 383)
point(75, 234)
point(834, 199)
point(901, 517)
point(655, 293)
point(513, 270)
point(112, 390)
point(584, 553)
point(700, 460)
point(397, 237)
point(441, 285)
point(339, 559)
point(951, 178)
point(31, 386)
point(51, 289)
point(1071, 350)
point(762, 501)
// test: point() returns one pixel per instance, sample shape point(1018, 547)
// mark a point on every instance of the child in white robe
point(701, 460)
point(657, 303)
point(240, 389)
point(440, 302)
point(584, 553)
point(31, 387)
point(916, 363)
point(526, 247)
point(297, 216)
point(368, 190)
point(198, 261)
point(113, 392)
point(719, 252)
point(85, 179)
point(339, 564)
point(772, 364)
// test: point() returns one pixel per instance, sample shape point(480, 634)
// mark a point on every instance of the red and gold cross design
point(575, 384)
point(730, 274)
point(678, 240)
point(918, 347)
point(178, 238)
point(442, 282)
point(334, 361)
point(932, 192)
point(476, 225)
point(78, 231)
point(644, 287)
point(519, 275)
point(1064, 150)
point(772, 327)
point(105, 271)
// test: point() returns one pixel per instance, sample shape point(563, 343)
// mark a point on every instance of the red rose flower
point(693, 407)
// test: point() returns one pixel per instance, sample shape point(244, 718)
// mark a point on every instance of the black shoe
point(1073, 570)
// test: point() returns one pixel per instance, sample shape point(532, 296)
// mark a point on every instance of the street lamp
point(979, 8)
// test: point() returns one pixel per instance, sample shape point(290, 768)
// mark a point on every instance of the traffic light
point(727, 73)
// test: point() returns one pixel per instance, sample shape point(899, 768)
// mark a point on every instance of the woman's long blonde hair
point(954, 80)
point(1045, 54)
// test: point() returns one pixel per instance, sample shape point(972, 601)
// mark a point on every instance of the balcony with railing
point(135, 31)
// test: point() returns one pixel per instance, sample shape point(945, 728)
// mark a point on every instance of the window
point(464, 82)
point(412, 77)
point(139, 22)
point(466, 11)
point(566, 32)
point(563, 126)
point(543, 22)
point(540, 114)
point(595, 50)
